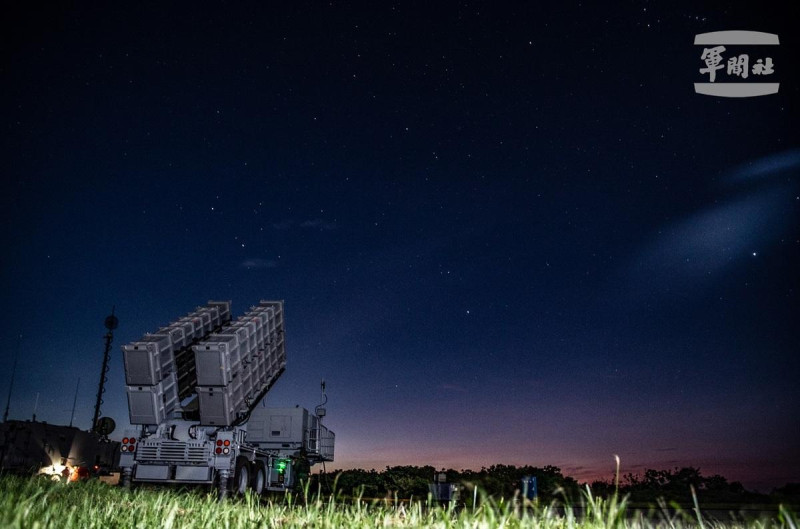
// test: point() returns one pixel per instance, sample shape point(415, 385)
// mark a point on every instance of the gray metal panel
point(149, 359)
point(256, 428)
point(152, 472)
point(276, 425)
point(216, 360)
point(142, 406)
point(215, 406)
point(171, 450)
point(151, 404)
point(209, 365)
point(192, 473)
point(140, 366)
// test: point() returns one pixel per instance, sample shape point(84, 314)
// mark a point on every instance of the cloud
point(767, 166)
point(714, 238)
point(256, 264)
point(318, 224)
point(313, 224)
point(692, 250)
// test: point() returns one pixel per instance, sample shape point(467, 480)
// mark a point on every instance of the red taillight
point(133, 440)
point(218, 450)
point(227, 443)
point(131, 448)
point(219, 442)
point(124, 440)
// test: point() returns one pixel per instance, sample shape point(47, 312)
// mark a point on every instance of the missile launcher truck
point(195, 389)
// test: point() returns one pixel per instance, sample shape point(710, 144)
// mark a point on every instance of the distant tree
point(504, 481)
point(677, 484)
point(407, 481)
point(358, 482)
point(788, 494)
point(602, 488)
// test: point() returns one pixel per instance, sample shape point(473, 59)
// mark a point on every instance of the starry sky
point(504, 232)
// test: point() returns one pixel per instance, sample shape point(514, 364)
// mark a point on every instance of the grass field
point(38, 503)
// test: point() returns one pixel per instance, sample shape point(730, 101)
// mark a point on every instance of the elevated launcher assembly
point(194, 388)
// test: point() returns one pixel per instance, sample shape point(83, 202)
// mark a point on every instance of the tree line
point(504, 481)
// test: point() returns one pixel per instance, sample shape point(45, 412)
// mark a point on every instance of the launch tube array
point(159, 368)
point(228, 365)
point(239, 363)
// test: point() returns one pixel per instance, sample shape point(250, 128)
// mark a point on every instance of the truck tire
point(241, 478)
point(259, 479)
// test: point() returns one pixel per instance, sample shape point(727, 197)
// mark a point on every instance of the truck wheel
point(259, 478)
point(241, 477)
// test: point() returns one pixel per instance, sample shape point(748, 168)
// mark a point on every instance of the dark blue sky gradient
point(503, 234)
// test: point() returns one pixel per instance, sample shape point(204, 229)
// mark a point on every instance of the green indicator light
point(281, 465)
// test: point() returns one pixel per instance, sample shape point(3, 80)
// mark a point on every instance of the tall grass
point(37, 503)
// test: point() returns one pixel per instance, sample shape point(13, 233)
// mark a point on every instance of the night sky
point(504, 233)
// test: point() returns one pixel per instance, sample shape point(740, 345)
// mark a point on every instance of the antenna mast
point(111, 323)
point(74, 401)
point(320, 411)
point(13, 374)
